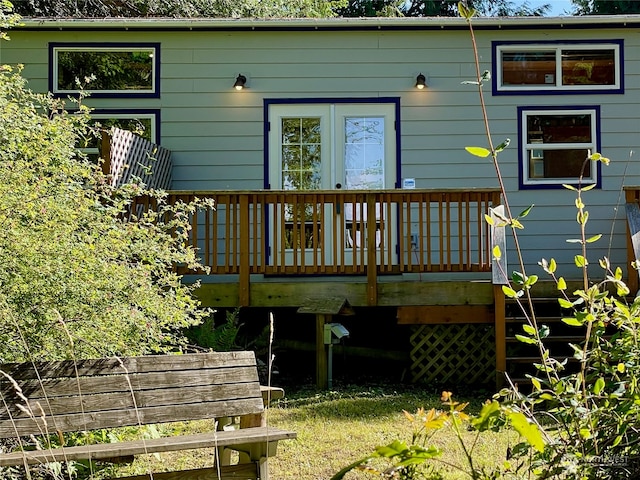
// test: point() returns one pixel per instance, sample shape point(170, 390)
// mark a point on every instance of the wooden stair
point(521, 357)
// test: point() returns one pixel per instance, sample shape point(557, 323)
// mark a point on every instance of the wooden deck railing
point(342, 232)
point(632, 198)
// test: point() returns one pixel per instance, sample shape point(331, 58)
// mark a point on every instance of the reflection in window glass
point(588, 67)
point(563, 164)
point(559, 128)
point(529, 68)
point(557, 146)
point(364, 153)
point(301, 153)
point(105, 69)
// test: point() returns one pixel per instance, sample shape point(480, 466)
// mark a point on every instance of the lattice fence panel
point(133, 156)
point(454, 354)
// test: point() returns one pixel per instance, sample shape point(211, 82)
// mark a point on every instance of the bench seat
point(241, 439)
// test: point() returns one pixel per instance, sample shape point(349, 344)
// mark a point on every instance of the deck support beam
point(322, 379)
point(324, 310)
point(499, 278)
point(244, 278)
point(372, 264)
point(501, 334)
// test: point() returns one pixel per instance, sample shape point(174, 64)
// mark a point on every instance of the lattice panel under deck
point(453, 354)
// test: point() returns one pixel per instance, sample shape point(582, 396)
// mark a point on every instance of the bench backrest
point(105, 393)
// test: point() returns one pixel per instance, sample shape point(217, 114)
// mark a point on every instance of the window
point(548, 68)
point(114, 70)
point(144, 123)
point(555, 144)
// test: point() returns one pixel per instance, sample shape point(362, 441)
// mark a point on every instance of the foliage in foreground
point(73, 267)
point(579, 424)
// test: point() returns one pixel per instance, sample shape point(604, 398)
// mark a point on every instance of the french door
point(328, 147)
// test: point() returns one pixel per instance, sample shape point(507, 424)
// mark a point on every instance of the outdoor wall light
point(241, 82)
point(421, 81)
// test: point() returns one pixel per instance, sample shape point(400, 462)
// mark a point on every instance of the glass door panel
point(368, 163)
point(299, 145)
point(301, 166)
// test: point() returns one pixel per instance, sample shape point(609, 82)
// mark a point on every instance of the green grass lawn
point(337, 427)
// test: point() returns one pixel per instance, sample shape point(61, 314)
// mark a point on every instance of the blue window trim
point(495, 65)
point(117, 113)
point(521, 142)
point(155, 93)
point(341, 100)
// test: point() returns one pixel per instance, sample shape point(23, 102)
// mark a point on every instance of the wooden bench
point(66, 396)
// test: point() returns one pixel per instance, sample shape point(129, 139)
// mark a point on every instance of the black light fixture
point(241, 82)
point(421, 81)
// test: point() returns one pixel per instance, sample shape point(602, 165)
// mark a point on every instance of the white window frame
point(528, 149)
point(556, 86)
point(152, 48)
point(151, 116)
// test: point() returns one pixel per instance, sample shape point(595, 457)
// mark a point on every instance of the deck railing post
point(501, 334)
point(632, 277)
point(499, 278)
point(244, 277)
point(372, 264)
point(105, 151)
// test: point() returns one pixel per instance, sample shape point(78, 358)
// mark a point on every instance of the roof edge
point(408, 23)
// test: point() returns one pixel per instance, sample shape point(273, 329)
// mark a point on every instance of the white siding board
point(213, 144)
point(227, 173)
point(198, 159)
point(444, 168)
point(222, 128)
point(202, 184)
point(228, 113)
point(261, 67)
point(174, 85)
point(31, 56)
point(173, 55)
point(454, 144)
point(452, 112)
point(443, 127)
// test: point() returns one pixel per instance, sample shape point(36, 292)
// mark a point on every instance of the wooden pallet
point(128, 156)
